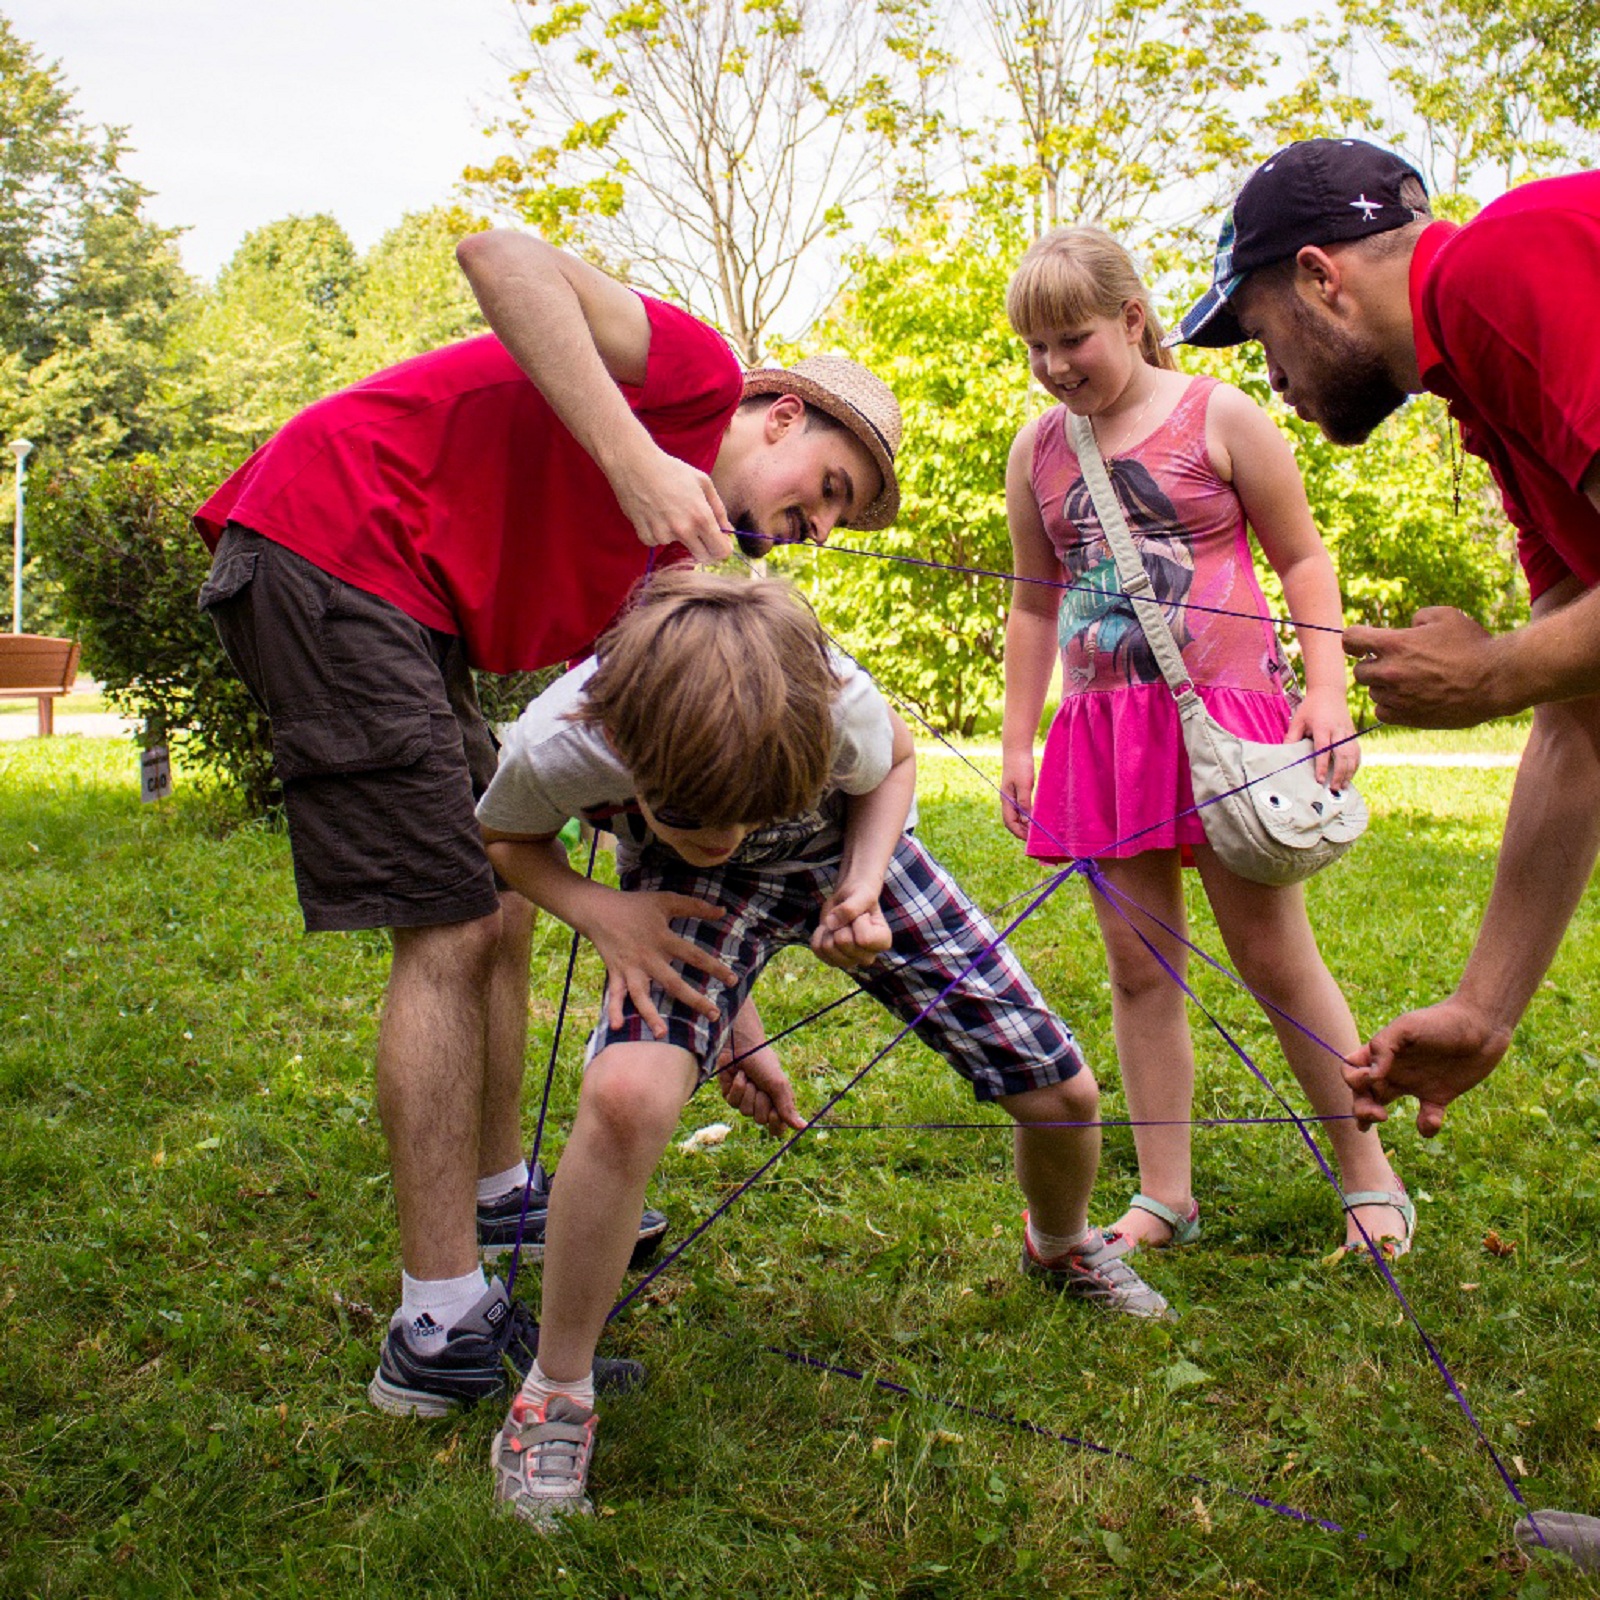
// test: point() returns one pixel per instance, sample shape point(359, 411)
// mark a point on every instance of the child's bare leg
point(1270, 941)
point(1154, 1050)
point(1056, 1166)
point(628, 1109)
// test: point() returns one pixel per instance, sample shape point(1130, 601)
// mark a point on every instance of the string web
point(1122, 904)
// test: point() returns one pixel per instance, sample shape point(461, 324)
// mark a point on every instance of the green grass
point(199, 1251)
point(67, 705)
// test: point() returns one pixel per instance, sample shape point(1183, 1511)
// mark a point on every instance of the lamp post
point(20, 449)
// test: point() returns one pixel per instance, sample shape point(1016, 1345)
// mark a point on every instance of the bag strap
point(1131, 572)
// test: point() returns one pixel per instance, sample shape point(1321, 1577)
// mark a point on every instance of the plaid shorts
point(993, 1027)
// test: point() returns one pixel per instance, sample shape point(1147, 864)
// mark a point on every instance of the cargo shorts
point(376, 736)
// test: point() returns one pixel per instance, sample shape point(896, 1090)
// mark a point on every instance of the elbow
point(472, 248)
point(496, 254)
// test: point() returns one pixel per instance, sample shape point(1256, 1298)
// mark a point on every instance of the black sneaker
point(497, 1223)
point(472, 1364)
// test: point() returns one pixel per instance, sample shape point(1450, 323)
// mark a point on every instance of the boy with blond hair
point(760, 789)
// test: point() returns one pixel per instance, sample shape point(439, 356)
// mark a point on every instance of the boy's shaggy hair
point(717, 693)
point(1068, 277)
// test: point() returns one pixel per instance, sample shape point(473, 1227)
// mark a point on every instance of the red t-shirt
point(448, 486)
point(1506, 314)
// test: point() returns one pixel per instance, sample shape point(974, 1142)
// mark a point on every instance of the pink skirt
point(1114, 779)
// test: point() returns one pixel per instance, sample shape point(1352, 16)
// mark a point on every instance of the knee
point(449, 954)
point(1138, 978)
point(1074, 1099)
point(627, 1109)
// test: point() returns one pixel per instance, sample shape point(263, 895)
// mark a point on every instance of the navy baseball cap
point(1318, 191)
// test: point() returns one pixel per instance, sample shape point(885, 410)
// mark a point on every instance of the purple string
point(544, 1098)
point(1023, 1425)
point(1097, 880)
point(1105, 1122)
point(1063, 584)
point(833, 1100)
point(1092, 871)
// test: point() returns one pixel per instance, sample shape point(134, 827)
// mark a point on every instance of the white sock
point(539, 1389)
point(1052, 1246)
point(431, 1307)
point(502, 1183)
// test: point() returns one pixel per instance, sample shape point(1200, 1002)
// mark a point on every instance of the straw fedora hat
point(863, 403)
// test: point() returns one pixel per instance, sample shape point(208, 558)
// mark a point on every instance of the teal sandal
point(1185, 1230)
point(1395, 1200)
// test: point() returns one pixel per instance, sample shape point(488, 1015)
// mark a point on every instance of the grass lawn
point(200, 1250)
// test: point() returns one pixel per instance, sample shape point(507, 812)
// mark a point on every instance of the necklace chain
point(1133, 427)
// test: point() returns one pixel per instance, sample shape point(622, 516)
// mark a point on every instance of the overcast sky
point(242, 111)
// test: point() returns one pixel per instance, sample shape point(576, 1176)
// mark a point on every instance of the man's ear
point(785, 414)
point(1318, 274)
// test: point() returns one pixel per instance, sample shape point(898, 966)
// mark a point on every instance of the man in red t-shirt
point(491, 505)
point(1331, 260)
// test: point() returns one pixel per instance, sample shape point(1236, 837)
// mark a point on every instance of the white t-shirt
point(552, 769)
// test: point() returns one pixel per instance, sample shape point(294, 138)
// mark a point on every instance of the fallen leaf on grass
point(1496, 1246)
point(1522, 1471)
point(1469, 1287)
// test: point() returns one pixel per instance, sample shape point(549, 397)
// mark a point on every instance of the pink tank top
point(1189, 528)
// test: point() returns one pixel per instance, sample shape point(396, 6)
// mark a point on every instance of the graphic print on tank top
point(1096, 628)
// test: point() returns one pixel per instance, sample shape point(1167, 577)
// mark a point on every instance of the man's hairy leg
point(500, 1128)
point(431, 1048)
point(632, 1097)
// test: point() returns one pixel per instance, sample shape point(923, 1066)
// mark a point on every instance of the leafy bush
point(117, 541)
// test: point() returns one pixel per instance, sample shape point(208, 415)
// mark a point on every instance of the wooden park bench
point(34, 666)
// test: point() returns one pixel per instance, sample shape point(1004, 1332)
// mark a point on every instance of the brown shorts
point(376, 736)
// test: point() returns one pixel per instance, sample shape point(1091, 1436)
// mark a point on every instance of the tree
point(88, 288)
point(274, 334)
point(1474, 89)
point(51, 167)
point(927, 314)
point(105, 389)
point(1123, 102)
point(411, 296)
point(719, 149)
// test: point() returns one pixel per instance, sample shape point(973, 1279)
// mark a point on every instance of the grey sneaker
point(471, 1365)
point(1098, 1271)
point(541, 1460)
point(499, 1221)
point(1566, 1533)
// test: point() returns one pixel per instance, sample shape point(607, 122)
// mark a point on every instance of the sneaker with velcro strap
point(498, 1220)
point(541, 1459)
point(471, 1364)
point(1098, 1271)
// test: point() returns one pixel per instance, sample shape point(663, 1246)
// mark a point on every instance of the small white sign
point(155, 773)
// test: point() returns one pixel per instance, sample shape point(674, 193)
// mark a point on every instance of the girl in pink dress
point(1195, 463)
